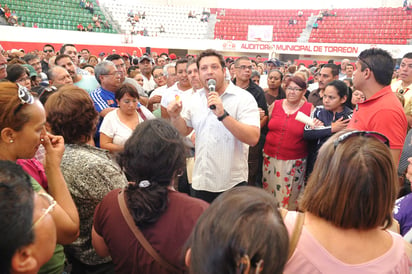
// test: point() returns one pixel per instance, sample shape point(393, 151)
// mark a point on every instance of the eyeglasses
point(114, 73)
point(245, 67)
point(52, 205)
point(293, 89)
point(373, 134)
point(366, 63)
point(47, 50)
point(23, 79)
point(24, 96)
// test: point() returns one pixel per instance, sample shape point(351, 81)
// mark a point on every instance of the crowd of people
point(107, 141)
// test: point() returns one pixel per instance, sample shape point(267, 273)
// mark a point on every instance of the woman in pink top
point(285, 150)
point(348, 205)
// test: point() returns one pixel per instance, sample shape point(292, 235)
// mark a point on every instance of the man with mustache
point(328, 73)
point(404, 85)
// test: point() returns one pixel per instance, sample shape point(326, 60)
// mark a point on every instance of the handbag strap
point(140, 237)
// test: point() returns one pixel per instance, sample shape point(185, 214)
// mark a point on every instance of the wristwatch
point(225, 114)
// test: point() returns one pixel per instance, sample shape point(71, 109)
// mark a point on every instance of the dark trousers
point(207, 195)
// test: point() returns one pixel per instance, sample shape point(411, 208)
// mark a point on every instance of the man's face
point(48, 52)
point(161, 61)
point(258, 59)
point(61, 77)
point(171, 76)
point(210, 68)
point(349, 71)
point(405, 71)
point(112, 80)
point(271, 66)
point(67, 63)
point(145, 67)
point(72, 52)
point(134, 53)
point(35, 63)
point(85, 55)
point(154, 55)
point(182, 75)
point(325, 77)
point(193, 75)
point(357, 76)
point(243, 70)
point(3, 65)
point(121, 67)
point(159, 77)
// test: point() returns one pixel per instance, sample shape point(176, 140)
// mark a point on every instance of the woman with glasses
point(118, 125)
point(22, 130)
point(18, 74)
point(153, 159)
point(285, 150)
point(90, 172)
point(334, 116)
point(347, 208)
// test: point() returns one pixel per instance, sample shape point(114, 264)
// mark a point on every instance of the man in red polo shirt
point(382, 111)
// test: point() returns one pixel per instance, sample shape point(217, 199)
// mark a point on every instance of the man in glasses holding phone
point(381, 111)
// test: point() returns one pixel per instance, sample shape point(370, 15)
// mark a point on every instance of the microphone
point(211, 84)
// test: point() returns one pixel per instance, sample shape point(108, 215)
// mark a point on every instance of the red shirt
point(383, 113)
point(285, 137)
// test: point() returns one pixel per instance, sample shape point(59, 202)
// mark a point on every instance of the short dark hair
point(16, 212)
point(341, 87)
point(155, 152)
point(71, 113)
point(28, 57)
point(237, 61)
point(126, 88)
point(61, 56)
point(380, 62)
point(112, 57)
point(48, 45)
point(63, 48)
point(333, 67)
point(243, 221)
point(15, 71)
point(350, 65)
point(211, 52)
point(353, 185)
point(181, 61)
point(408, 55)
point(88, 51)
point(278, 71)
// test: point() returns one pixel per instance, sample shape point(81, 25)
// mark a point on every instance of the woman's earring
point(11, 141)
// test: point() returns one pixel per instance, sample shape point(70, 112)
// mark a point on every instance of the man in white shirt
point(180, 90)
point(146, 65)
point(226, 122)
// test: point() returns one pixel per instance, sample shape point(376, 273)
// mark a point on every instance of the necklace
point(291, 110)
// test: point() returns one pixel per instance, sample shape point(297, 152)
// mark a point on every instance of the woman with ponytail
point(153, 157)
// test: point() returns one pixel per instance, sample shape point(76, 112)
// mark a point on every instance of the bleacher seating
point(65, 15)
point(174, 19)
point(361, 25)
point(365, 26)
point(232, 24)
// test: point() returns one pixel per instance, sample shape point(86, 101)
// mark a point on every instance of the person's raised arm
point(173, 110)
point(65, 214)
